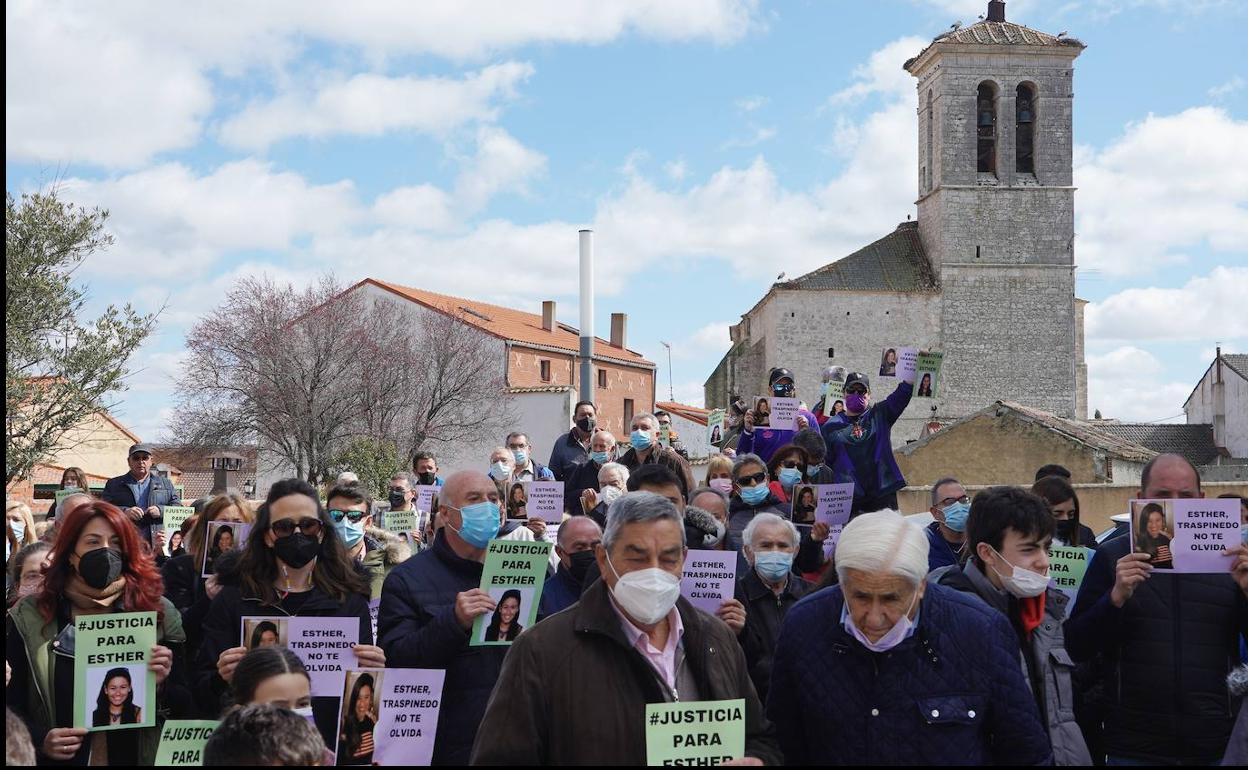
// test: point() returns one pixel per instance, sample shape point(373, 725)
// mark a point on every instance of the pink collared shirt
point(664, 660)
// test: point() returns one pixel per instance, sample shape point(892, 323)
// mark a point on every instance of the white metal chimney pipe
point(587, 315)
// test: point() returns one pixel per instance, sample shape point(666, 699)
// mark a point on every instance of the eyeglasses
point(308, 525)
point(951, 500)
point(749, 481)
point(398, 490)
point(352, 516)
point(517, 446)
point(790, 464)
point(859, 389)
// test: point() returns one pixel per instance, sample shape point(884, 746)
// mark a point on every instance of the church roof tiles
point(896, 262)
point(998, 33)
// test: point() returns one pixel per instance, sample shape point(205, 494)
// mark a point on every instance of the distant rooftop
point(896, 262)
point(1195, 442)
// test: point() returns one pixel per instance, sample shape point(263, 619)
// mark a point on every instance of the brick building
point(542, 376)
point(986, 275)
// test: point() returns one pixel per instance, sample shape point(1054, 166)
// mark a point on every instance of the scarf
point(1031, 613)
point(84, 597)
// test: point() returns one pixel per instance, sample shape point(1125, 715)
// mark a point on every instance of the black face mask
point(100, 567)
point(580, 565)
point(397, 500)
point(1065, 529)
point(296, 549)
point(586, 424)
point(427, 478)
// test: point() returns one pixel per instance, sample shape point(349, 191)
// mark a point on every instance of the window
point(1025, 120)
point(628, 414)
point(931, 120)
point(602, 378)
point(545, 366)
point(986, 128)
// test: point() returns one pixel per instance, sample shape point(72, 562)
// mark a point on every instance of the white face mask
point(646, 595)
point(610, 494)
point(1023, 583)
point(902, 630)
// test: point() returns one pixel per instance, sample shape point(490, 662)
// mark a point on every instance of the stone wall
point(1224, 405)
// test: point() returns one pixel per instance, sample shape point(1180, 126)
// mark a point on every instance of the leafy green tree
point(373, 461)
point(59, 368)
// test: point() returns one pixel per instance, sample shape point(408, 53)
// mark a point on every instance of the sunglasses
point(749, 481)
point(308, 525)
point(860, 390)
point(352, 516)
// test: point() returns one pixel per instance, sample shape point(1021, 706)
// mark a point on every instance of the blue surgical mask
point(755, 494)
point(602, 458)
point(480, 523)
point(640, 440)
point(813, 470)
point(789, 477)
point(772, 566)
point(522, 457)
point(350, 532)
point(955, 516)
point(500, 470)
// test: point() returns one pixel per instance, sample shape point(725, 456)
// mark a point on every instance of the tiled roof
point(998, 33)
point(1074, 430)
point(896, 262)
point(1195, 442)
point(542, 389)
point(513, 325)
point(1238, 362)
point(691, 413)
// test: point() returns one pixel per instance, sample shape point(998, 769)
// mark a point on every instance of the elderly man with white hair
point(885, 668)
point(612, 484)
point(769, 589)
point(574, 687)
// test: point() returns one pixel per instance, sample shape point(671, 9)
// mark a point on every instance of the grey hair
point(502, 449)
point(613, 467)
point(645, 416)
point(936, 487)
point(638, 508)
point(883, 541)
point(704, 490)
point(747, 537)
point(407, 476)
point(347, 477)
point(515, 433)
point(748, 457)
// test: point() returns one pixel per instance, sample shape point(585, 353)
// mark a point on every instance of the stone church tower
point(996, 213)
point(986, 274)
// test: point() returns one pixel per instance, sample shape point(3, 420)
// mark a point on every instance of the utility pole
point(671, 392)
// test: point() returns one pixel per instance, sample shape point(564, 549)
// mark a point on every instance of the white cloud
point(690, 393)
point(882, 73)
point(752, 103)
point(70, 65)
point(676, 170)
point(501, 164)
point(370, 105)
point(758, 136)
point(1168, 184)
point(1206, 307)
point(420, 207)
point(1130, 384)
point(174, 223)
point(1224, 90)
point(711, 339)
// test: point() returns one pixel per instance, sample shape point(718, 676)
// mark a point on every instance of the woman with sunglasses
point(787, 469)
point(294, 564)
point(751, 495)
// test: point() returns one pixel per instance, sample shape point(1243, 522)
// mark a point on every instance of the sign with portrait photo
point(513, 576)
point(389, 716)
point(113, 687)
point(1186, 535)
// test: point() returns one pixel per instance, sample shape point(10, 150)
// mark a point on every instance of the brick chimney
point(548, 315)
point(619, 330)
point(996, 10)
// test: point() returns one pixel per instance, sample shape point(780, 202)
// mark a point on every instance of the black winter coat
point(417, 629)
point(764, 612)
point(1168, 652)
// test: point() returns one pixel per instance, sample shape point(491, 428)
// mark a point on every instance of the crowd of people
point(943, 643)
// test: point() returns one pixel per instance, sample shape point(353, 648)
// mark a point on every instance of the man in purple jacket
point(764, 441)
point(861, 449)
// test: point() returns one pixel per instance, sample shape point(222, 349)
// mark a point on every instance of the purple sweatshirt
point(765, 441)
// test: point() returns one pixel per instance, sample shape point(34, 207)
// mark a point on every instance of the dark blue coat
point(953, 693)
point(417, 629)
point(120, 490)
point(560, 592)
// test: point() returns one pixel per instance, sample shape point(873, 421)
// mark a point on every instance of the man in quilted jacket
point(885, 668)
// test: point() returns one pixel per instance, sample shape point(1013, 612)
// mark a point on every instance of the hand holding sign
point(470, 604)
point(228, 660)
point(161, 662)
point(732, 612)
point(1239, 570)
point(62, 743)
point(1132, 570)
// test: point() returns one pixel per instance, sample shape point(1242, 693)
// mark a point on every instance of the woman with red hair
point(98, 565)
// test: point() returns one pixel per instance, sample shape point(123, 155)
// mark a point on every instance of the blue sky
point(712, 144)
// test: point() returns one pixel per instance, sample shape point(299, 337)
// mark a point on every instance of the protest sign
point(716, 426)
point(389, 716)
point(665, 434)
point(182, 742)
point(1067, 566)
point(545, 500)
point(710, 577)
point(783, 412)
point(323, 644)
point(374, 607)
point(422, 497)
point(832, 392)
point(513, 576)
point(927, 375)
point(175, 517)
point(61, 494)
point(1186, 535)
point(518, 500)
point(223, 536)
point(113, 688)
point(695, 732)
point(834, 502)
point(899, 362)
point(401, 522)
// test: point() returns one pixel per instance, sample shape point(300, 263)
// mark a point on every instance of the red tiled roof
point(692, 413)
point(512, 325)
